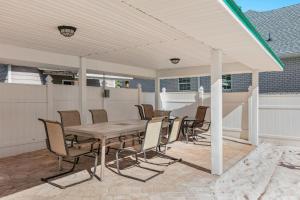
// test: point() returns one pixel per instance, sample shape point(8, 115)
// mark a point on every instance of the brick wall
point(240, 82)
point(287, 81)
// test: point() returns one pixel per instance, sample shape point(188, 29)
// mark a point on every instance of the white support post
point(201, 95)
point(163, 98)
point(250, 113)
point(82, 90)
point(216, 113)
point(50, 100)
point(140, 94)
point(157, 93)
point(255, 109)
point(9, 80)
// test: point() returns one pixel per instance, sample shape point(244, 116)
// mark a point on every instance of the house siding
point(26, 75)
point(3, 73)
point(148, 85)
point(239, 83)
point(287, 81)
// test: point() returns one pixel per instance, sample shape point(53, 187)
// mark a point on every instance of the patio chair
point(72, 118)
point(141, 112)
point(56, 143)
point(199, 124)
point(174, 133)
point(172, 137)
point(99, 116)
point(149, 112)
point(150, 142)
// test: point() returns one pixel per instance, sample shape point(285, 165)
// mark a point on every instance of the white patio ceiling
point(134, 37)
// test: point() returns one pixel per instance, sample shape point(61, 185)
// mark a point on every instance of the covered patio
point(137, 38)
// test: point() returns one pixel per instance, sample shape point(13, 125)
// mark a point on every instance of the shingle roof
point(284, 27)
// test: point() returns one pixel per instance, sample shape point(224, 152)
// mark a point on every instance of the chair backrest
point(200, 114)
point(99, 116)
point(152, 134)
point(176, 126)
point(141, 111)
point(148, 111)
point(162, 113)
point(55, 137)
point(70, 118)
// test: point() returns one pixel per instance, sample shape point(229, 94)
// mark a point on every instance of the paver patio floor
point(20, 176)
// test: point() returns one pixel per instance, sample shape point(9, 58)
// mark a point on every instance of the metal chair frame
point(137, 163)
point(198, 123)
point(60, 158)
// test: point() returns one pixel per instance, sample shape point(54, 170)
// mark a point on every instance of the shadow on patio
point(24, 171)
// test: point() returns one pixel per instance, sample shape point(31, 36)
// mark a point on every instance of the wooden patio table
point(107, 130)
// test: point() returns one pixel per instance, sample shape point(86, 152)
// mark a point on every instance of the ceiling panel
point(141, 33)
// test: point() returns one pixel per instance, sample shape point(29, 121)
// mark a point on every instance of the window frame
point(188, 84)
point(225, 80)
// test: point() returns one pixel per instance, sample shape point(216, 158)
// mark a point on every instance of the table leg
point(103, 147)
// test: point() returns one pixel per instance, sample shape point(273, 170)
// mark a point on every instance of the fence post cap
point(49, 80)
point(201, 89)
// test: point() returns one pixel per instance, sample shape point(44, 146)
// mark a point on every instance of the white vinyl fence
point(280, 117)
point(235, 108)
point(22, 105)
point(279, 114)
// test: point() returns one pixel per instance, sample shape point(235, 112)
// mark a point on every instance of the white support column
point(216, 113)
point(201, 95)
point(255, 109)
point(250, 113)
point(163, 98)
point(9, 74)
point(50, 100)
point(157, 93)
point(140, 94)
point(82, 90)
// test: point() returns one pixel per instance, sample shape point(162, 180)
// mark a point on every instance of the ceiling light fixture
point(175, 60)
point(67, 31)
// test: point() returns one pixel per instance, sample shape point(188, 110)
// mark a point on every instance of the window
point(184, 84)
point(226, 82)
point(68, 82)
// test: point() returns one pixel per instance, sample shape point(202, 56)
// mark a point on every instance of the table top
point(108, 130)
point(190, 119)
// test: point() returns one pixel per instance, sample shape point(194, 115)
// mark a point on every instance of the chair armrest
point(207, 123)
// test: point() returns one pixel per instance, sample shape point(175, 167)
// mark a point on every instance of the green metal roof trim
point(240, 15)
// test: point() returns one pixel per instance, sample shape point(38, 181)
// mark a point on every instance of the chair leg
point(108, 148)
point(174, 160)
point(99, 150)
point(137, 164)
point(48, 179)
point(145, 156)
